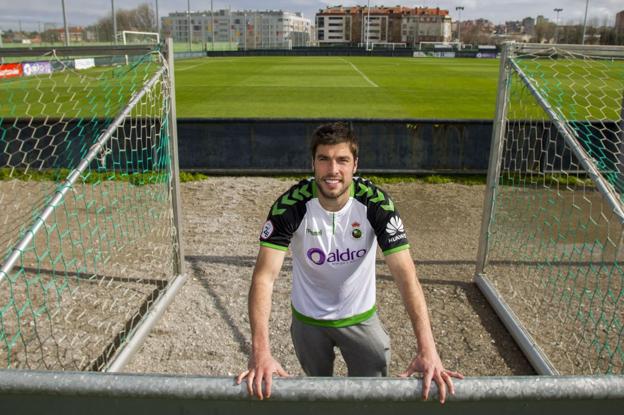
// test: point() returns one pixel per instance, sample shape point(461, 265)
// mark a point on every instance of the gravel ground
point(205, 331)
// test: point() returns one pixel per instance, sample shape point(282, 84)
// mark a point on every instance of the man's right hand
point(261, 369)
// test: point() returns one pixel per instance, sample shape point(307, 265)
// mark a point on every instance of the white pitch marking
point(361, 73)
point(203, 63)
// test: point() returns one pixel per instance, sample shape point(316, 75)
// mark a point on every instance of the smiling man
point(332, 224)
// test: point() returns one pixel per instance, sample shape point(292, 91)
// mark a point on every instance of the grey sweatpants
point(365, 347)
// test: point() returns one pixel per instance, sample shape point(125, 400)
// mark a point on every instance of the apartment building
point(356, 25)
point(249, 29)
point(619, 23)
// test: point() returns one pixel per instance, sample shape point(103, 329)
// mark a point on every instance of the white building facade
point(249, 29)
point(382, 25)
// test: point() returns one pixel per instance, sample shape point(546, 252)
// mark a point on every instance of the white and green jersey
point(334, 252)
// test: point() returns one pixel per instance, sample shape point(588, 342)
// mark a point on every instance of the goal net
point(87, 243)
point(552, 241)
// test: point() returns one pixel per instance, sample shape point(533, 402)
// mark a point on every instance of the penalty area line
point(361, 73)
point(186, 68)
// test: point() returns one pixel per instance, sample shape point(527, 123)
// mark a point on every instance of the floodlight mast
point(367, 24)
point(188, 19)
point(64, 24)
point(114, 16)
point(459, 9)
point(557, 11)
point(585, 22)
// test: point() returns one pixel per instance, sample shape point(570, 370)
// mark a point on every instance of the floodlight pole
point(367, 24)
point(114, 22)
point(459, 9)
point(585, 22)
point(557, 11)
point(229, 26)
point(157, 18)
point(245, 31)
point(64, 24)
point(212, 24)
point(188, 19)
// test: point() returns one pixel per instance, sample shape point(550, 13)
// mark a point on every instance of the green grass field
point(326, 87)
point(358, 87)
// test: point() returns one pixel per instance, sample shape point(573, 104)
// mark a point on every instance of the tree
point(545, 32)
point(140, 19)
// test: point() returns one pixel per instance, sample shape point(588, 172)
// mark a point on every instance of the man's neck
point(333, 204)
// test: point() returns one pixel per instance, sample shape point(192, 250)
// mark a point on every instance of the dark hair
point(334, 133)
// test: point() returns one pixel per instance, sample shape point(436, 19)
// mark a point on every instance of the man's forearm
point(404, 273)
point(259, 312)
point(416, 307)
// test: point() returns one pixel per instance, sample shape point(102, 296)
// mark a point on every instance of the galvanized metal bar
point(145, 325)
point(586, 161)
point(79, 50)
point(73, 177)
point(84, 384)
point(525, 341)
point(496, 154)
point(175, 162)
point(583, 49)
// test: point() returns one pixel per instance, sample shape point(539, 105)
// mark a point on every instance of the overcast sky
point(32, 13)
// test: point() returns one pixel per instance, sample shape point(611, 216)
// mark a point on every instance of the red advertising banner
point(10, 70)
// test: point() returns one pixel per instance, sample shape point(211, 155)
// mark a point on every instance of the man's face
point(334, 166)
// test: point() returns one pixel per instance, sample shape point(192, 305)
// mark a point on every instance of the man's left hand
point(431, 367)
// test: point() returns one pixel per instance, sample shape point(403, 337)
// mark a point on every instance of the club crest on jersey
point(356, 232)
point(267, 230)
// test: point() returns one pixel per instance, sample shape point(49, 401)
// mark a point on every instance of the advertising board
point(84, 63)
point(36, 68)
point(10, 70)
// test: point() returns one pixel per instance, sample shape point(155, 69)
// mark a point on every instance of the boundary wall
point(256, 146)
point(267, 146)
point(353, 51)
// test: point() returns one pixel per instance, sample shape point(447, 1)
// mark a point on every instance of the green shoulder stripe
point(270, 245)
point(397, 249)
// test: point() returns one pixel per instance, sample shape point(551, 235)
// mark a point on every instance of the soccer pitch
point(336, 87)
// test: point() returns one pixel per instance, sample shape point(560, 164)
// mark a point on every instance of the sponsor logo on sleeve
point(395, 229)
point(267, 230)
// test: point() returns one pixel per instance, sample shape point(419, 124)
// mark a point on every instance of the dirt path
point(206, 329)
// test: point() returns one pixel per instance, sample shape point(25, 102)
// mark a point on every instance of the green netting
point(104, 251)
point(555, 243)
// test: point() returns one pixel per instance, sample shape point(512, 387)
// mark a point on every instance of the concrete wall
point(407, 146)
point(267, 146)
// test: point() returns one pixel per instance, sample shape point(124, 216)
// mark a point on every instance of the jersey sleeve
point(383, 217)
point(285, 216)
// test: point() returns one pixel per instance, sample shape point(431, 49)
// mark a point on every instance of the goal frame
point(137, 335)
point(536, 356)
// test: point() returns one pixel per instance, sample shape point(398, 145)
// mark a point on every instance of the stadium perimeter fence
point(92, 254)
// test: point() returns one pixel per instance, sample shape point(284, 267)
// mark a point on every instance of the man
point(331, 224)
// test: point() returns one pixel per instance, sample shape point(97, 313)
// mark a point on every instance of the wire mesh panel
point(554, 243)
point(86, 241)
